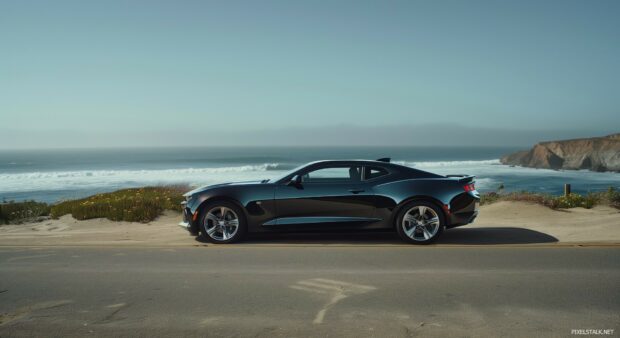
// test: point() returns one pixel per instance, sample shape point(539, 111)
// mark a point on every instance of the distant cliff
point(597, 154)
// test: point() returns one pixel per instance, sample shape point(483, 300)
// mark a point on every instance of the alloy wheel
point(420, 223)
point(221, 223)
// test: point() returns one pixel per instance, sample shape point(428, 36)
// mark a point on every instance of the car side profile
point(335, 195)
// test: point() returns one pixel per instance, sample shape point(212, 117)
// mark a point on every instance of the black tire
point(242, 228)
point(411, 205)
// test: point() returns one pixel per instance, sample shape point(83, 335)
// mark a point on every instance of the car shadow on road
point(458, 236)
point(494, 235)
point(325, 238)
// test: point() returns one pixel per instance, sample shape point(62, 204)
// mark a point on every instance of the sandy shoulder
point(600, 224)
point(66, 230)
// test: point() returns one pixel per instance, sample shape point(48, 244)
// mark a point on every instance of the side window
point(333, 175)
point(374, 172)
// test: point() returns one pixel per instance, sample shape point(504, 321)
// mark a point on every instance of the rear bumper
point(463, 209)
point(462, 219)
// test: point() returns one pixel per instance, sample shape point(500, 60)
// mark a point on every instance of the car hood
point(208, 187)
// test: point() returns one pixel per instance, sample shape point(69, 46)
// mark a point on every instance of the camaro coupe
point(335, 195)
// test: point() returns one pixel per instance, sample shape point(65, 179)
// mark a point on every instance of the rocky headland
point(596, 154)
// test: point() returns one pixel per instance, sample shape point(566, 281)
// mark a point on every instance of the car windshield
point(276, 179)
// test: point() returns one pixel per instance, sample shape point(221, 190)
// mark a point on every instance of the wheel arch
point(423, 198)
point(201, 207)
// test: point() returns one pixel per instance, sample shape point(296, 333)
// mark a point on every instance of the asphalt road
point(250, 290)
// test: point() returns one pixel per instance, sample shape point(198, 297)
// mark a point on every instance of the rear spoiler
point(463, 178)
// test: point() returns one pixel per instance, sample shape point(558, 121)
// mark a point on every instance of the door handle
point(356, 191)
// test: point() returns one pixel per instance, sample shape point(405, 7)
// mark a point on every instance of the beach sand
point(498, 223)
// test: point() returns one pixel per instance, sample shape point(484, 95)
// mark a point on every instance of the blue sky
point(137, 67)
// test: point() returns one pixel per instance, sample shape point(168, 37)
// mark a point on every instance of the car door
point(325, 195)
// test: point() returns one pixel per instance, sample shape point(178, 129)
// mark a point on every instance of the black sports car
point(356, 194)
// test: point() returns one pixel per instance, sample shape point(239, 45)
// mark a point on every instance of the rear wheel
point(420, 222)
point(222, 222)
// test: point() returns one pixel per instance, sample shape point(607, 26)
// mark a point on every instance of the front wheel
point(420, 222)
point(222, 222)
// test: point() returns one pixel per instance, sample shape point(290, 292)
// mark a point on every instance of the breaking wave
point(57, 180)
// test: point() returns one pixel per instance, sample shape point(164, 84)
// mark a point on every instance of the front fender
point(256, 201)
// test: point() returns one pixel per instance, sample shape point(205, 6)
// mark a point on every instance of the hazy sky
point(100, 73)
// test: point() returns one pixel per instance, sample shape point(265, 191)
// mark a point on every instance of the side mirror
point(295, 181)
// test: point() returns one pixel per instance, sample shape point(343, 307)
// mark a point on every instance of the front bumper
point(187, 223)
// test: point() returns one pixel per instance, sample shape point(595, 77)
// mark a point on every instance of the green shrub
point(17, 212)
point(590, 200)
point(570, 201)
point(612, 196)
point(131, 205)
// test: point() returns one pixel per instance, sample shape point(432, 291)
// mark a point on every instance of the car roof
point(387, 165)
point(355, 161)
point(347, 161)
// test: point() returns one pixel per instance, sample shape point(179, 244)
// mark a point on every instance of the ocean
point(54, 175)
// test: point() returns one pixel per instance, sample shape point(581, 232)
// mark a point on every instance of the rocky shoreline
point(596, 154)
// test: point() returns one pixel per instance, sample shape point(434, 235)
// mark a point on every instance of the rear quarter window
point(371, 173)
point(416, 173)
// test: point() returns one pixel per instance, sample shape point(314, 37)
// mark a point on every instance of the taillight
point(469, 187)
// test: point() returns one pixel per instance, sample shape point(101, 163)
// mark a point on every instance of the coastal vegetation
point(16, 212)
point(610, 197)
point(146, 204)
point(130, 205)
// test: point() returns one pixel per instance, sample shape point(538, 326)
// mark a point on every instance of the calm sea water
point(54, 175)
